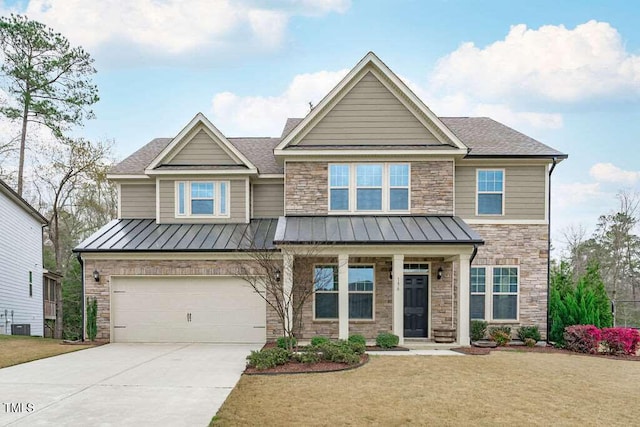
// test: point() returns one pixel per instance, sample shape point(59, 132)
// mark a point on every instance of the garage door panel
point(223, 309)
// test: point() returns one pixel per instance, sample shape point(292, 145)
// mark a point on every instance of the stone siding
point(524, 246)
point(444, 297)
point(306, 188)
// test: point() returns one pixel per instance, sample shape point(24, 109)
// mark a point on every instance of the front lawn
point(501, 388)
point(19, 349)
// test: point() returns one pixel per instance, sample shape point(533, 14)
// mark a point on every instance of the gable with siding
point(202, 148)
point(369, 114)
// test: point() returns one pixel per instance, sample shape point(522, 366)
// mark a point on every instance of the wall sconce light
point(278, 276)
point(96, 275)
point(440, 272)
point(390, 273)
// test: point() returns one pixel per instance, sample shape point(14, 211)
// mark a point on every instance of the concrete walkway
point(123, 385)
point(416, 353)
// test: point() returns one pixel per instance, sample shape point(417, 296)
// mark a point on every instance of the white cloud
point(265, 115)
point(608, 172)
point(550, 63)
point(572, 194)
point(175, 27)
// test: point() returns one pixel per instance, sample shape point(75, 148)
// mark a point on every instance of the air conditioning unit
point(21, 329)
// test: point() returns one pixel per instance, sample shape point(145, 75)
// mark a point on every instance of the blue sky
point(566, 73)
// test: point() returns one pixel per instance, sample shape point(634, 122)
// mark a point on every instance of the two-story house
point(424, 223)
point(21, 297)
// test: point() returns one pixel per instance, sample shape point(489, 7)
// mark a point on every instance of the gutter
point(553, 166)
point(82, 281)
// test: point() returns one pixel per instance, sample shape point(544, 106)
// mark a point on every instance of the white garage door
point(186, 309)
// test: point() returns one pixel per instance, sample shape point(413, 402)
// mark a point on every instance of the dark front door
point(415, 306)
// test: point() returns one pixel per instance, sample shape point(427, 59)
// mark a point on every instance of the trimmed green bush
point(283, 342)
point(357, 338)
point(339, 351)
point(478, 329)
point(529, 332)
point(358, 347)
point(317, 340)
point(530, 342)
point(268, 358)
point(387, 340)
point(500, 334)
point(308, 355)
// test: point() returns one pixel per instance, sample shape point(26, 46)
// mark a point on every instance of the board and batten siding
point(268, 200)
point(369, 114)
point(524, 192)
point(20, 253)
point(202, 150)
point(237, 203)
point(138, 200)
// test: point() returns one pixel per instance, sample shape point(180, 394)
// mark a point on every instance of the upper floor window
point(490, 197)
point(369, 187)
point(202, 198)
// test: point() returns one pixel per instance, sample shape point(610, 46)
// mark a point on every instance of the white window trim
point(216, 199)
point(353, 187)
point(372, 292)
point(503, 192)
point(488, 294)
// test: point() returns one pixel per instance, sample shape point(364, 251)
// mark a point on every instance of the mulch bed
point(538, 349)
point(369, 347)
point(294, 367)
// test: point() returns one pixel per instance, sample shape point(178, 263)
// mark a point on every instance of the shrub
point(582, 338)
point(317, 340)
point(357, 338)
point(530, 342)
point(309, 355)
point(268, 358)
point(387, 340)
point(478, 329)
point(283, 342)
point(500, 334)
point(340, 351)
point(357, 347)
point(529, 332)
point(620, 340)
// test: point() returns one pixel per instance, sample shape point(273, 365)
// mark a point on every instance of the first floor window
point(326, 291)
point(499, 301)
point(361, 286)
point(202, 198)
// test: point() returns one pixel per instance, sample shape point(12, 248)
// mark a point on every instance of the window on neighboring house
point(490, 192)
point(478, 284)
point(326, 291)
point(505, 293)
point(202, 198)
point(361, 283)
point(30, 283)
point(339, 187)
point(369, 187)
point(498, 301)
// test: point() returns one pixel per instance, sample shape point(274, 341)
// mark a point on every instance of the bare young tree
point(266, 272)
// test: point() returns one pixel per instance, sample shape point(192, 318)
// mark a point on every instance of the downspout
point(553, 166)
point(82, 273)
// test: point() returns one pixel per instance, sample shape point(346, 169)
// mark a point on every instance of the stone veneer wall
point(444, 297)
point(383, 302)
point(131, 267)
point(524, 246)
point(306, 188)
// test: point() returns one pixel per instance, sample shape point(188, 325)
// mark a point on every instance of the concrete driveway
point(123, 384)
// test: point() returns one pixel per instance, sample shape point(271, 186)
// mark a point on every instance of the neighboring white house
point(20, 264)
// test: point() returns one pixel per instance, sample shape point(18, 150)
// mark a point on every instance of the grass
point(19, 349)
point(500, 388)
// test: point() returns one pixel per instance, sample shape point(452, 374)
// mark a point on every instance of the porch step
point(427, 344)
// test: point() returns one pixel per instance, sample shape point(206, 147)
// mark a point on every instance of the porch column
point(287, 286)
point(343, 296)
point(398, 296)
point(463, 300)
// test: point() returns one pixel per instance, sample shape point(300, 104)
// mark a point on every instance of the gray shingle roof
point(375, 230)
point(484, 136)
point(144, 235)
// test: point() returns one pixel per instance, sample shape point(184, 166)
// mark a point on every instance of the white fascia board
point(479, 221)
point(271, 176)
point(200, 118)
point(368, 153)
point(202, 172)
point(115, 177)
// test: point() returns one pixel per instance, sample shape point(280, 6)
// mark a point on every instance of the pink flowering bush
point(582, 338)
point(620, 340)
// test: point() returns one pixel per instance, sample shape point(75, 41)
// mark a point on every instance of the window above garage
point(202, 199)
